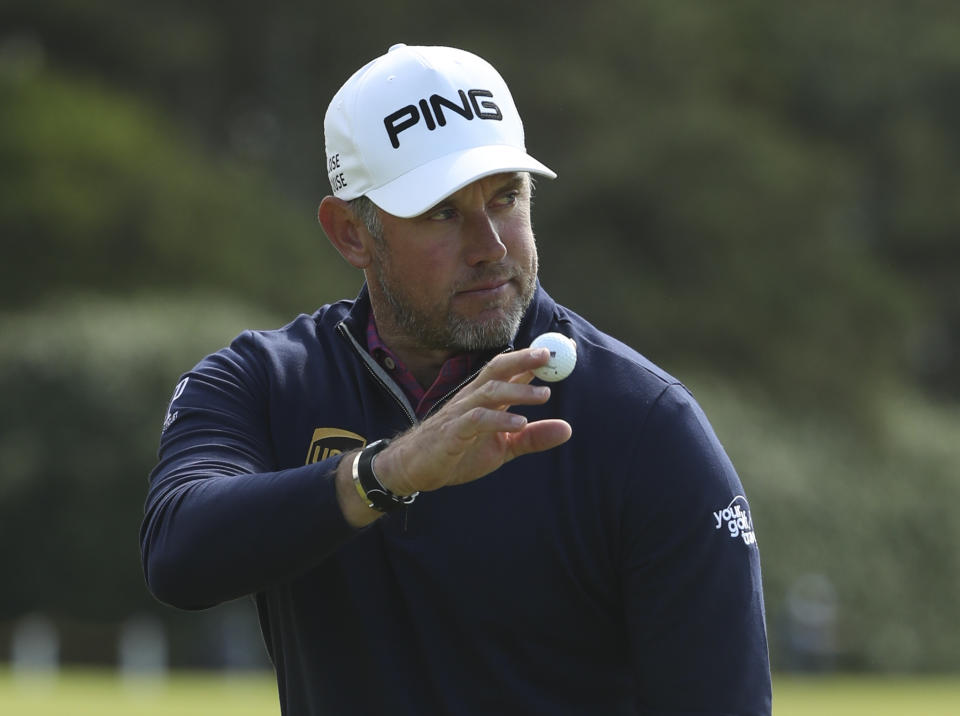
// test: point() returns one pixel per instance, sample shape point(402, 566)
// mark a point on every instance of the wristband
point(368, 485)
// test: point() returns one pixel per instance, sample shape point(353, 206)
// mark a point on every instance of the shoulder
point(612, 373)
point(286, 347)
point(617, 395)
point(598, 353)
point(239, 378)
point(257, 359)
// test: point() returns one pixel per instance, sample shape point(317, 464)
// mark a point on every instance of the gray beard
point(447, 331)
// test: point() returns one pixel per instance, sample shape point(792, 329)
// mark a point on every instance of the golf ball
point(563, 356)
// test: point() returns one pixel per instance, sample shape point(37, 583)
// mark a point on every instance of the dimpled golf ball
point(563, 356)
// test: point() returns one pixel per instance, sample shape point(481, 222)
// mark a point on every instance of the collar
point(454, 371)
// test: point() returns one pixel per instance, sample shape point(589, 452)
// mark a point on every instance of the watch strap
point(368, 485)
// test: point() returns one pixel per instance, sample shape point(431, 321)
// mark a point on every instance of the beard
point(438, 327)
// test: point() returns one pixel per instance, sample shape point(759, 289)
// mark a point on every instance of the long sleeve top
point(616, 574)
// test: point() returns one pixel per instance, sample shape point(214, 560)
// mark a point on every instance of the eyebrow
point(513, 180)
point(517, 180)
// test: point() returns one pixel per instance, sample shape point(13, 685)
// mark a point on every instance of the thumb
point(539, 436)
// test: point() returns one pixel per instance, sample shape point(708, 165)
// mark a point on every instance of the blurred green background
point(764, 198)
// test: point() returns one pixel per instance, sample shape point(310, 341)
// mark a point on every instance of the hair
point(368, 212)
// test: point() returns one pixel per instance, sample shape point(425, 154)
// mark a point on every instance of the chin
point(487, 333)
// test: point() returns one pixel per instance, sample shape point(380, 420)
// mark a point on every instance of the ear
point(347, 233)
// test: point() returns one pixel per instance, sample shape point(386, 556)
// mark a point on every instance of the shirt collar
point(455, 370)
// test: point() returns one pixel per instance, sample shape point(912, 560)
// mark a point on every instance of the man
point(424, 527)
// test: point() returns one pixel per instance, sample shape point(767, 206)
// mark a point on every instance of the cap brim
point(413, 193)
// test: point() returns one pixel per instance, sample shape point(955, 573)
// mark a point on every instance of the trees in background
point(761, 198)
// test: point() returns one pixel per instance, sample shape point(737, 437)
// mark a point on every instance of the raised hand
point(469, 437)
point(475, 433)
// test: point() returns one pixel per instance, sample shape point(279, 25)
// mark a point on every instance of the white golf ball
point(563, 356)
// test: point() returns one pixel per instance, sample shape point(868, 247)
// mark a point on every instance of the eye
point(442, 214)
point(508, 198)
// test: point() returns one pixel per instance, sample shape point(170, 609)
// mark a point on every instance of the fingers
point(486, 420)
point(473, 446)
point(475, 433)
point(524, 377)
point(523, 437)
point(499, 394)
point(505, 379)
point(513, 365)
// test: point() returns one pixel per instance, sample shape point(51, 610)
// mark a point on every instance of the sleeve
point(691, 571)
point(219, 521)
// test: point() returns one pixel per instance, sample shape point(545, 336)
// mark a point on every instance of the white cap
point(416, 125)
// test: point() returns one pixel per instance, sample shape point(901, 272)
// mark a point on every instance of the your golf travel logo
point(736, 518)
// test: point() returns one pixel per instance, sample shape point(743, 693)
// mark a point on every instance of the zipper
point(380, 376)
point(440, 403)
point(388, 385)
point(394, 390)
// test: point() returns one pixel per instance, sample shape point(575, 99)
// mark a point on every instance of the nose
point(483, 244)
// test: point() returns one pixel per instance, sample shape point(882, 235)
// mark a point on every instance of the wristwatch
point(368, 485)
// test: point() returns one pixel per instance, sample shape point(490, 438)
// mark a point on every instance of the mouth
point(490, 288)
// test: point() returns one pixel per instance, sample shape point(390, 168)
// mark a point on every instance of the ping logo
point(736, 517)
point(327, 442)
point(432, 112)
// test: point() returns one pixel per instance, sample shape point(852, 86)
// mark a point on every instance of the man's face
point(460, 276)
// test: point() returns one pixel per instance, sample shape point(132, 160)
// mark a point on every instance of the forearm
point(356, 511)
point(210, 538)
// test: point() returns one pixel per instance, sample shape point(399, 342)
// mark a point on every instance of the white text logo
point(172, 414)
point(736, 517)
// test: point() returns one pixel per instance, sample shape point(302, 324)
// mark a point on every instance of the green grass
point(102, 693)
point(79, 692)
point(867, 696)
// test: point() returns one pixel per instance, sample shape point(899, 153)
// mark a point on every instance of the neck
point(424, 364)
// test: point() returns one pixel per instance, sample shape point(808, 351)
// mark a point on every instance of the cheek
point(428, 274)
point(436, 265)
point(522, 248)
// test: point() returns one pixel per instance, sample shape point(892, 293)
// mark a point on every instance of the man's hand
point(469, 437)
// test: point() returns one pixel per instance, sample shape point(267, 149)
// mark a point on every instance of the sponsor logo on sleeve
point(735, 520)
point(172, 414)
point(327, 442)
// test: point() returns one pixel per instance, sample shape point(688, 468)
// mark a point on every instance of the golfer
point(424, 526)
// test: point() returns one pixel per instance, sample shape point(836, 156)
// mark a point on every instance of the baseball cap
point(417, 124)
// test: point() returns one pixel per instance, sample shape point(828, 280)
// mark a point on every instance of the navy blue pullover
point(615, 574)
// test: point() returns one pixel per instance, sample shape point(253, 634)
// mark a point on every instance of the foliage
point(767, 189)
point(99, 193)
point(761, 197)
point(85, 383)
point(873, 515)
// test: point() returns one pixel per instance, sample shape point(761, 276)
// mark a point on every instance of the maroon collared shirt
point(454, 371)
